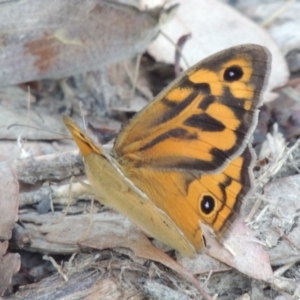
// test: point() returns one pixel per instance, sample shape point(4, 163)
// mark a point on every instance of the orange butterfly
point(184, 159)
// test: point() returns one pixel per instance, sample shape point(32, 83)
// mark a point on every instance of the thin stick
point(69, 202)
point(267, 23)
point(83, 118)
point(136, 73)
point(91, 221)
point(181, 42)
point(177, 49)
point(56, 266)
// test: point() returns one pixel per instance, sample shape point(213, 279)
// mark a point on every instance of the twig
point(58, 268)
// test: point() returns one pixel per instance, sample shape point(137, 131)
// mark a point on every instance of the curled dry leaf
point(215, 26)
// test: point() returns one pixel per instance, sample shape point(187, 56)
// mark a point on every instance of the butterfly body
point(184, 160)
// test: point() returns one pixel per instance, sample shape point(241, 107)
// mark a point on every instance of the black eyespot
point(207, 204)
point(233, 73)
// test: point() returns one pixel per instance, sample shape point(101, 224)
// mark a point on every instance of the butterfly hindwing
point(191, 198)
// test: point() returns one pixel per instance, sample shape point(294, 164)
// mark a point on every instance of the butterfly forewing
point(202, 120)
point(113, 189)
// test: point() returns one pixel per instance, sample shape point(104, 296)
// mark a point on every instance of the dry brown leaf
point(241, 250)
point(55, 39)
point(244, 253)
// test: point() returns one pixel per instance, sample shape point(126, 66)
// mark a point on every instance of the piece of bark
point(81, 285)
point(49, 167)
point(9, 200)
